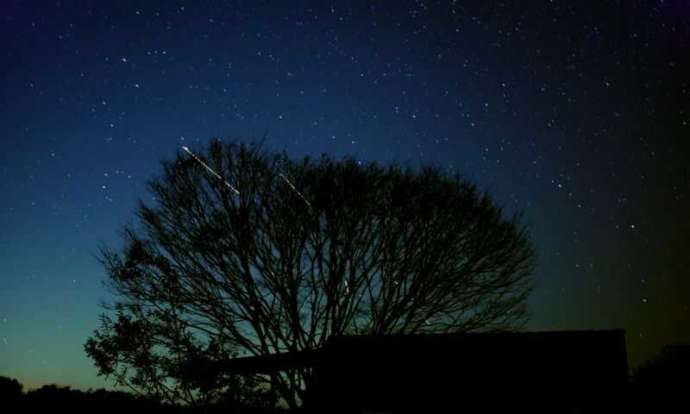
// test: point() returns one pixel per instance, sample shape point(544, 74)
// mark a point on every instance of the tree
point(11, 391)
point(667, 371)
point(248, 252)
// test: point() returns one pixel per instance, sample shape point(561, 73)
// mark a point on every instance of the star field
point(577, 113)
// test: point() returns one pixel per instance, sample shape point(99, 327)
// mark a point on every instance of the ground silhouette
point(657, 386)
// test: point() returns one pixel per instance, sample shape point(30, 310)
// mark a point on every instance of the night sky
point(577, 112)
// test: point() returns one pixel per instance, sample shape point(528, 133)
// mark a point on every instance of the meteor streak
point(281, 175)
point(235, 190)
point(209, 169)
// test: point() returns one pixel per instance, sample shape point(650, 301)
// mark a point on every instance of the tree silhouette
point(247, 252)
point(11, 391)
point(671, 365)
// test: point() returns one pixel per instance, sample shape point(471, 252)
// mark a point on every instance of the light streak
point(209, 169)
point(281, 175)
point(235, 190)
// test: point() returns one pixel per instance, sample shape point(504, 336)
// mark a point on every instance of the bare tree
point(247, 252)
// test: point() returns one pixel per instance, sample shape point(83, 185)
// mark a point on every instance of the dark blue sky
point(577, 113)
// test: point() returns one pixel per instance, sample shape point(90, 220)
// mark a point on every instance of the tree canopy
point(250, 252)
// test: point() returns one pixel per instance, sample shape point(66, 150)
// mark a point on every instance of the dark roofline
point(462, 335)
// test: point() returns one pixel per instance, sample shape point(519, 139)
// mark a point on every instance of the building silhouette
point(555, 372)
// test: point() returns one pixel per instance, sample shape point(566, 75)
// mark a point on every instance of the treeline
point(54, 398)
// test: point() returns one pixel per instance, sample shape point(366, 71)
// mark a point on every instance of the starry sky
point(577, 113)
